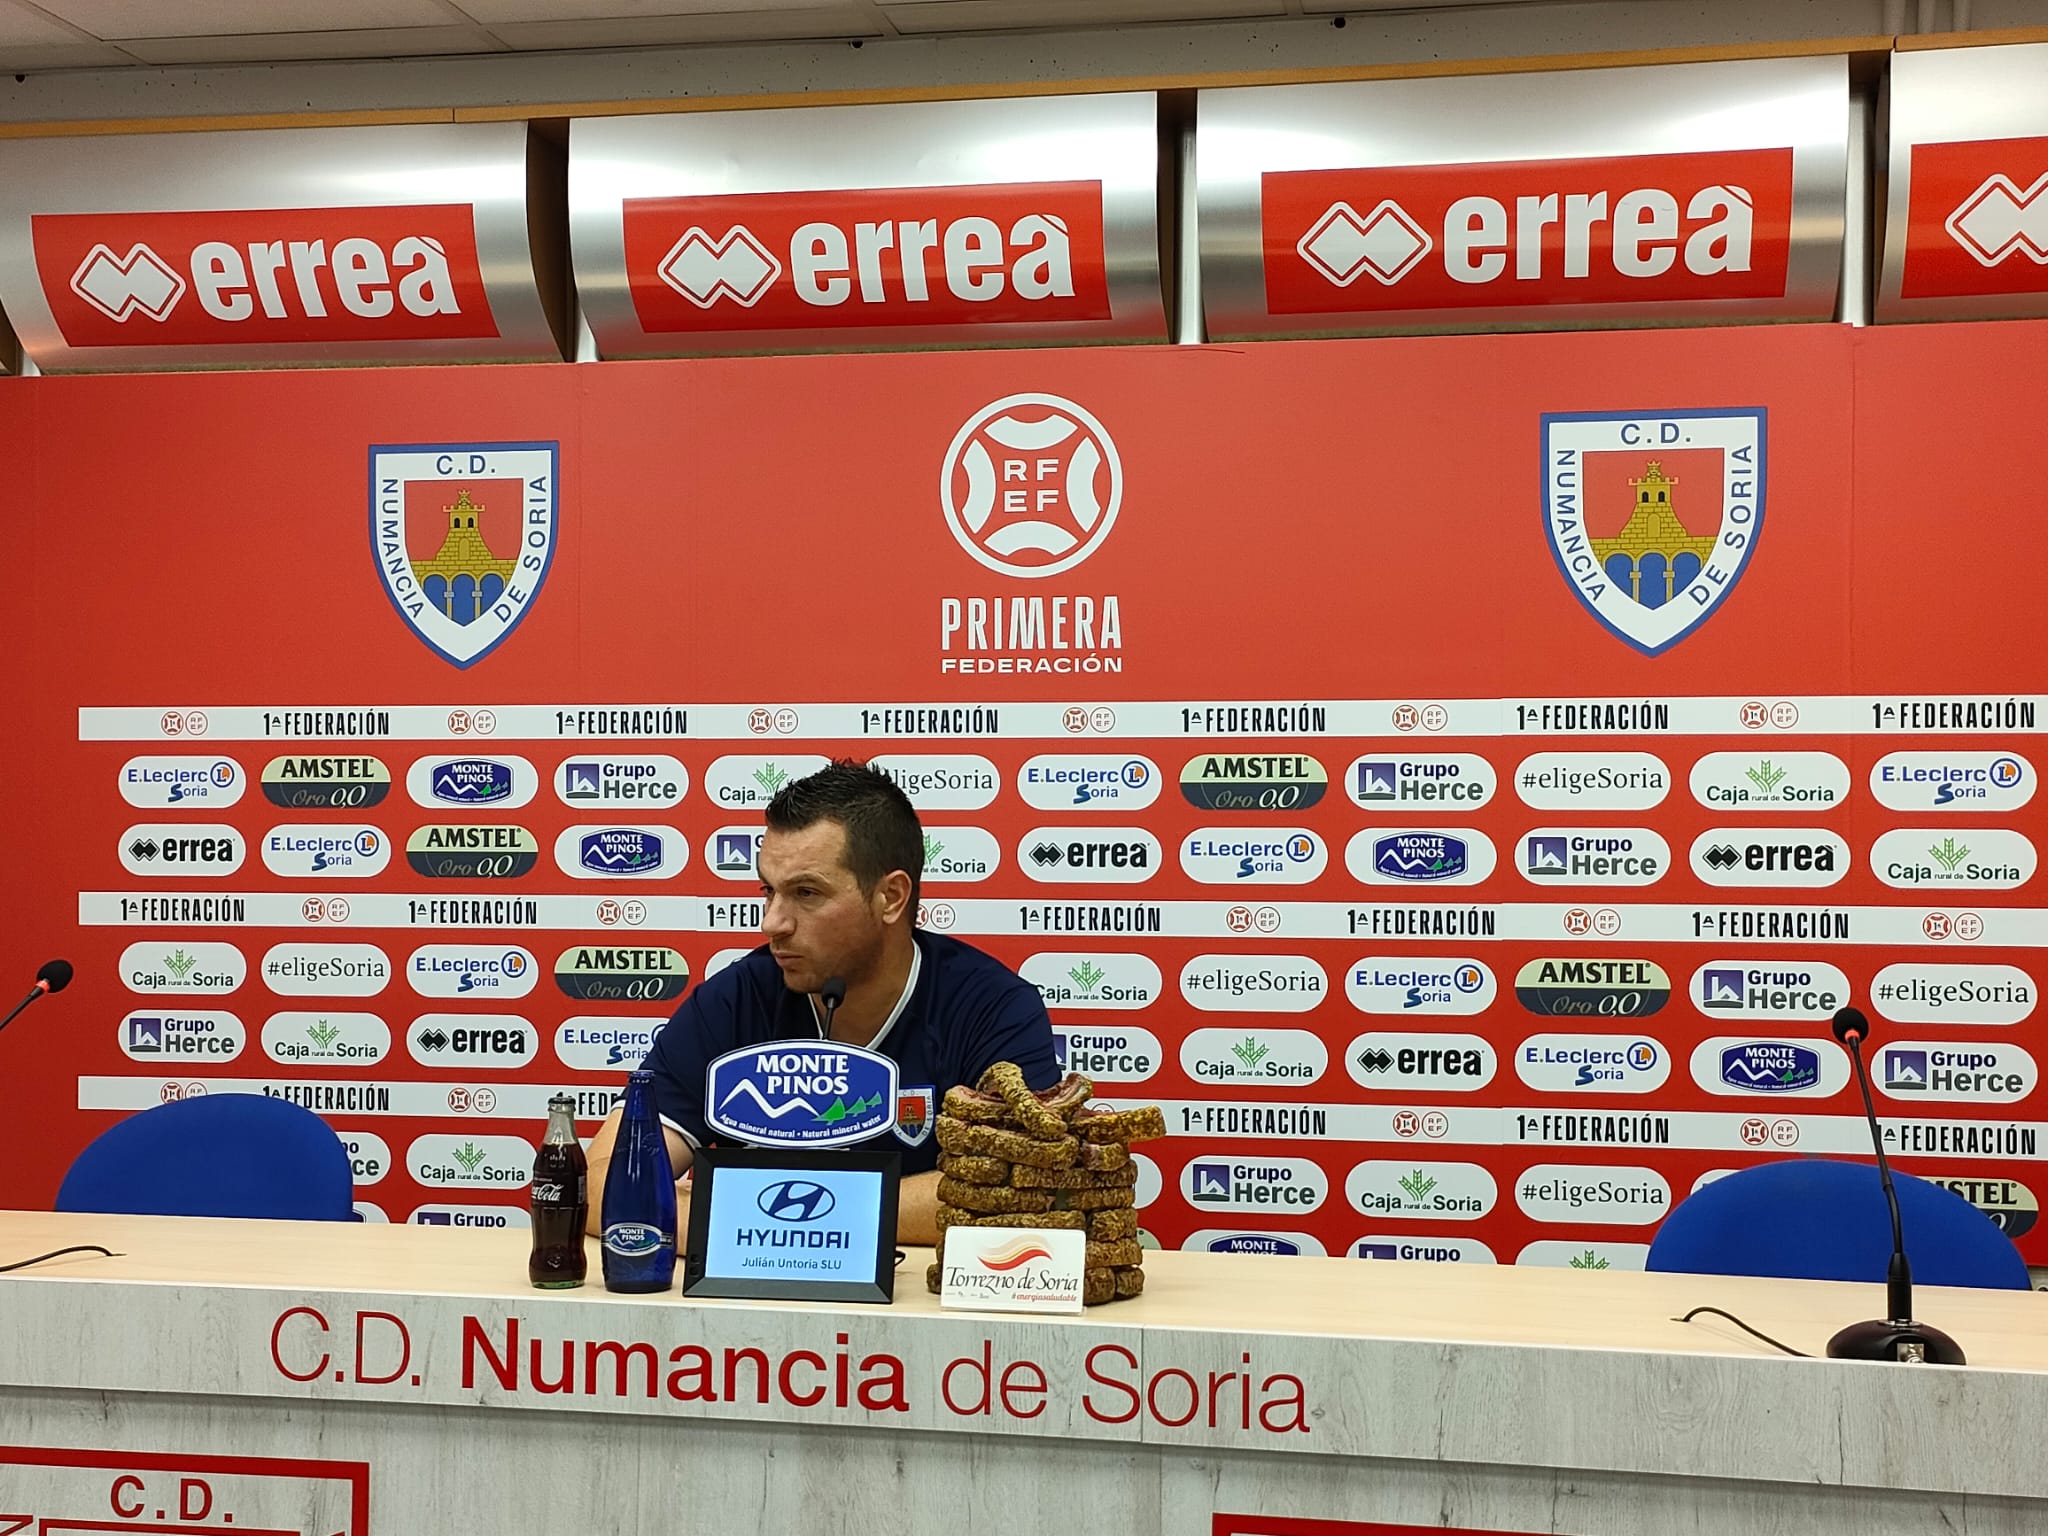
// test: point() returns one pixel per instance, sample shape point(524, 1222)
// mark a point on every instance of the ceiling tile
point(29, 58)
point(494, 13)
point(18, 24)
point(265, 47)
point(1014, 15)
point(116, 19)
point(727, 27)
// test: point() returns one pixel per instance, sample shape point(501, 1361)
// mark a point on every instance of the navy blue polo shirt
point(966, 1011)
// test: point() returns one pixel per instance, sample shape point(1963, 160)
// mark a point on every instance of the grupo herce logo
point(1652, 516)
point(1031, 485)
point(463, 535)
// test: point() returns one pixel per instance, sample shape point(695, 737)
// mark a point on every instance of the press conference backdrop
point(1456, 778)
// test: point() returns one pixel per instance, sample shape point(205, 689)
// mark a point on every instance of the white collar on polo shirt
point(909, 986)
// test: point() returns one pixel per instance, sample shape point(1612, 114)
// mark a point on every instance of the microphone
point(1898, 1338)
point(54, 976)
point(831, 995)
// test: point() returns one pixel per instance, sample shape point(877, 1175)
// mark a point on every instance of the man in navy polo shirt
point(840, 864)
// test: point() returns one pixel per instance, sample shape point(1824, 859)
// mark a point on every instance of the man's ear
point(891, 900)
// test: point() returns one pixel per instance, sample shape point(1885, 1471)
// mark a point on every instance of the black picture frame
point(705, 1163)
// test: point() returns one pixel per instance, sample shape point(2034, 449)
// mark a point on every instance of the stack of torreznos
point(1013, 1158)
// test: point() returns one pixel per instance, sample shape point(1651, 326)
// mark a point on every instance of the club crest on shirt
point(914, 1110)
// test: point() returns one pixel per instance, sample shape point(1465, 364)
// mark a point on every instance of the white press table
point(273, 1377)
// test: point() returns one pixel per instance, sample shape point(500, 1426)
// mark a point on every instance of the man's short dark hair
point(882, 830)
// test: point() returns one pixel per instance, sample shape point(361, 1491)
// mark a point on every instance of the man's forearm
point(917, 1210)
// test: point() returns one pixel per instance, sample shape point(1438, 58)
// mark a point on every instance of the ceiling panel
point(655, 31)
point(260, 47)
point(1010, 15)
point(114, 19)
point(493, 12)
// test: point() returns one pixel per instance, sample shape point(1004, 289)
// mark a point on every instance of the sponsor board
point(326, 783)
point(440, 1161)
point(1088, 781)
point(472, 783)
point(1618, 1197)
point(1592, 856)
point(1570, 987)
point(1253, 983)
point(961, 855)
point(942, 781)
point(621, 853)
point(1219, 1182)
point(621, 973)
point(640, 780)
point(1743, 1066)
point(748, 783)
point(1421, 1191)
point(591, 1043)
point(1952, 781)
point(189, 783)
point(322, 1036)
point(1592, 781)
point(801, 1093)
point(485, 971)
point(202, 965)
point(1070, 979)
point(1562, 1253)
point(732, 852)
point(1421, 1250)
point(1438, 1063)
point(1769, 989)
point(1150, 1183)
point(1231, 856)
point(2009, 1203)
point(1592, 1063)
point(1769, 856)
point(1253, 781)
point(486, 851)
point(1089, 855)
point(370, 1211)
point(1272, 1244)
point(484, 1216)
point(1436, 781)
point(181, 850)
point(724, 958)
point(1917, 993)
point(489, 1042)
point(1117, 1053)
point(1781, 781)
point(1975, 859)
point(157, 1034)
point(1954, 1072)
point(1419, 984)
point(310, 851)
point(1418, 856)
point(369, 1158)
point(1254, 1056)
point(326, 970)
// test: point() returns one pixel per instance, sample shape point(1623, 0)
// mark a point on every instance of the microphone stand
point(34, 992)
point(1898, 1338)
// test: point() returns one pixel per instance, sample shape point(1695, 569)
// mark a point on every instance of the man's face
point(813, 915)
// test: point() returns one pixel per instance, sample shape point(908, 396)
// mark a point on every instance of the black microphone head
point(833, 993)
point(1850, 1021)
point(55, 975)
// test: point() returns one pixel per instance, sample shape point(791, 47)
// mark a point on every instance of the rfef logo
point(1652, 516)
point(265, 275)
point(1977, 218)
point(463, 535)
point(1031, 485)
point(874, 257)
point(1622, 230)
point(801, 1093)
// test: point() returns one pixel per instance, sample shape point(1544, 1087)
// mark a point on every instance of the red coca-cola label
point(263, 275)
point(1977, 219)
point(796, 261)
point(1624, 230)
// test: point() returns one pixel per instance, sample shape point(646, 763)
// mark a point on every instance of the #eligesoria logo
point(463, 535)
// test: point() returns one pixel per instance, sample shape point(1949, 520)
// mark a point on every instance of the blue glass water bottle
point(640, 1199)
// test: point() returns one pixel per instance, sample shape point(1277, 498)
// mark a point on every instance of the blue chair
point(1817, 1219)
point(229, 1154)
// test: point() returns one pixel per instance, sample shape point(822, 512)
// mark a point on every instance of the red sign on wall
point(1977, 220)
point(253, 276)
point(773, 261)
point(1635, 229)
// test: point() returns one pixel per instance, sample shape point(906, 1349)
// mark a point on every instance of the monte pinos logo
point(1652, 516)
point(463, 535)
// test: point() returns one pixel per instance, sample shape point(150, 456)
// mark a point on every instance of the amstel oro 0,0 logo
point(594, 973)
point(472, 852)
point(1593, 989)
point(1275, 781)
point(332, 783)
